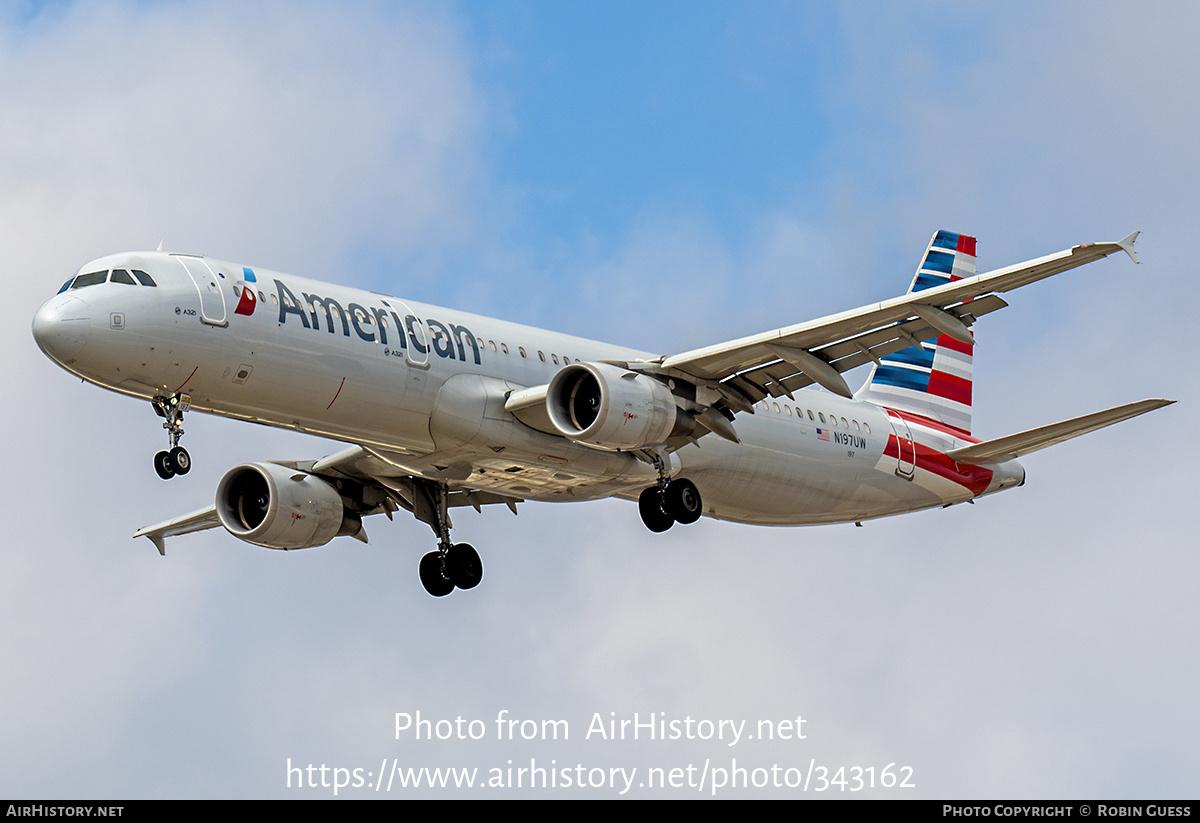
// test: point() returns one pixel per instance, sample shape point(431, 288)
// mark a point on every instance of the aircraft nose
point(61, 328)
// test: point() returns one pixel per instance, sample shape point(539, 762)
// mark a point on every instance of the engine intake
point(613, 408)
point(280, 508)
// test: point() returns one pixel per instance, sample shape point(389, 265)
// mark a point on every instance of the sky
point(656, 174)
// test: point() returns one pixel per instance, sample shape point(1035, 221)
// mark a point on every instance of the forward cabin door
point(208, 285)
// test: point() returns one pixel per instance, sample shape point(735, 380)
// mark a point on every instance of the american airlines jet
point(442, 409)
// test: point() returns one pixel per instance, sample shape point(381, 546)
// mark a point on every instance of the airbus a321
point(441, 409)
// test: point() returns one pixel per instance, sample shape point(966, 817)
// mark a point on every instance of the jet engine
point(281, 508)
point(613, 408)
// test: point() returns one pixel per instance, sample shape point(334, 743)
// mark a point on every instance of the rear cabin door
point(906, 459)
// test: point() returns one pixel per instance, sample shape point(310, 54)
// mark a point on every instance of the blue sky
point(664, 175)
point(733, 97)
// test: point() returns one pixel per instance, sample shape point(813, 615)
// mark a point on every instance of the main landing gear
point(457, 566)
point(451, 565)
point(669, 502)
point(175, 461)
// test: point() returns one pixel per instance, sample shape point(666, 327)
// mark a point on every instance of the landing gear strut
point(451, 565)
point(670, 501)
point(175, 461)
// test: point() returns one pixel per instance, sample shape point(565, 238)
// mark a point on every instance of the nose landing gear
point(167, 464)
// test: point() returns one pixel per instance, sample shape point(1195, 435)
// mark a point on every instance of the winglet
point(194, 522)
point(1127, 246)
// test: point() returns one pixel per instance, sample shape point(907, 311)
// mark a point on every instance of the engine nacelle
point(612, 408)
point(281, 508)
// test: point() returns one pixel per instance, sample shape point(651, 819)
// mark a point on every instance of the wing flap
point(1016, 445)
point(858, 351)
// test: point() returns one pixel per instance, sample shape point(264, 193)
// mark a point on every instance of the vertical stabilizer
point(932, 380)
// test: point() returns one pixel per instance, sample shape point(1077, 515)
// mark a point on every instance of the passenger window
point(820, 415)
point(122, 276)
point(521, 349)
point(90, 279)
point(554, 357)
point(541, 356)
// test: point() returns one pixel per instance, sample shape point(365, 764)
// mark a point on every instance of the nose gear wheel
point(167, 464)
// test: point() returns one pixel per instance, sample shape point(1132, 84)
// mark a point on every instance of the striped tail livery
point(931, 379)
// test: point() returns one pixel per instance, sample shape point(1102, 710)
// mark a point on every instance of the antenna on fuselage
point(159, 246)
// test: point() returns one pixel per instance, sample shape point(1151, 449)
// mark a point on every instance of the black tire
point(181, 460)
point(464, 566)
point(431, 575)
point(654, 515)
point(683, 501)
point(164, 465)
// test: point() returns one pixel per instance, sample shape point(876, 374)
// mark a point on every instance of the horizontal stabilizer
point(1016, 445)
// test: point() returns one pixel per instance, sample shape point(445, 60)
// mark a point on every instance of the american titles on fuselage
point(371, 324)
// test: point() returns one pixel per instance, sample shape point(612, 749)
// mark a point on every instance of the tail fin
point(932, 380)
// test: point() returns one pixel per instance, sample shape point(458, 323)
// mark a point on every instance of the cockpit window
point(90, 279)
point(118, 276)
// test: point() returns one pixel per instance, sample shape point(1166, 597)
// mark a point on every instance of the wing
point(742, 372)
point(370, 482)
point(404, 480)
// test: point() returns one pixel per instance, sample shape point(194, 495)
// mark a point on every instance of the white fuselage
point(425, 386)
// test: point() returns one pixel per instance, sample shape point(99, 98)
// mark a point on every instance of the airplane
point(442, 409)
